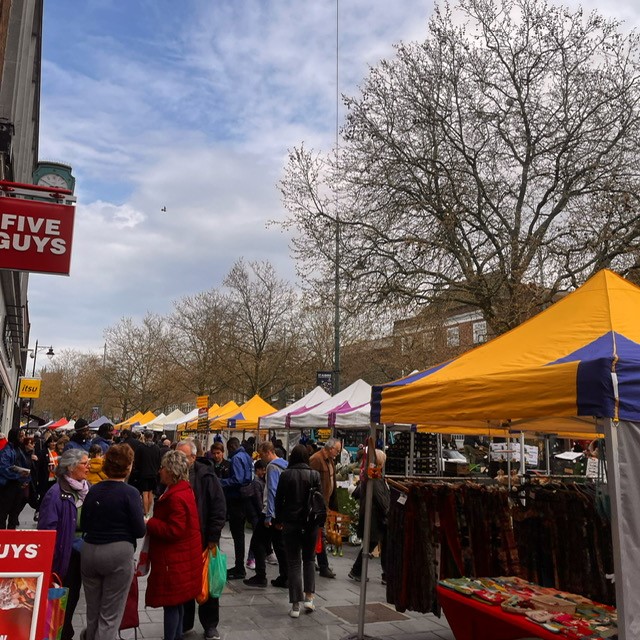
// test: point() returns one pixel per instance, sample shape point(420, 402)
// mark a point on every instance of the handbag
point(130, 617)
point(57, 598)
point(203, 596)
point(143, 566)
point(217, 571)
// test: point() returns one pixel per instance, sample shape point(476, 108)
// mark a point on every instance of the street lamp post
point(34, 355)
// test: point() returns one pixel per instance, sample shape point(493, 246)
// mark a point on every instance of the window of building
point(453, 337)
point(479, 332)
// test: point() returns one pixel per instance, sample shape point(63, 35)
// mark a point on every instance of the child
point(95, 473)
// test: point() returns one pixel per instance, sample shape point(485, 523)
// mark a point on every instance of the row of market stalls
point(573, 370)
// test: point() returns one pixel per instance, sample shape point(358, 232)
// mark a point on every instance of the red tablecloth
point(473, 620)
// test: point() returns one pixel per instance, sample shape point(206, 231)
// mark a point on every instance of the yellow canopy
point(576, 361)
point(147, 417)
point(129, 421)
point(245, 417)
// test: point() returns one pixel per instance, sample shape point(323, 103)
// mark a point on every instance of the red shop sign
point(35, 236)
point(25, 573)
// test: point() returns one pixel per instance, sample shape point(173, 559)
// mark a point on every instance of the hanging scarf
point(79, 487)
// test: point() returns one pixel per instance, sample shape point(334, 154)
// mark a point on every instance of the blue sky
point(191, 106)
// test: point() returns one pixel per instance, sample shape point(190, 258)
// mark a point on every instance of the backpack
point(316, 506)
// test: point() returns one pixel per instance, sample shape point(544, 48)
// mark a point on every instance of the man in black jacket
point(212, 510)
point(146, 463)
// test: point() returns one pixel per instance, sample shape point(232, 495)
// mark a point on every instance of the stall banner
point(202, 402)
point(29, 388)
point(35, 235)
point(25, 572)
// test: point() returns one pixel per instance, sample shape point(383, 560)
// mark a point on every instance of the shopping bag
point(56, 606)
point(217, 572)
point(142, 568)
point(130, 617)
point(203, 596)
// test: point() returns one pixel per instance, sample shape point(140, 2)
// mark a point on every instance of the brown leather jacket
point(326, 467)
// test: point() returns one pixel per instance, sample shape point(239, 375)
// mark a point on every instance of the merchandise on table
point(571, 616)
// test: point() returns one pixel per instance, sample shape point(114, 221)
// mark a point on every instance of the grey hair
point(176, 463)
point(331, 442)
point(69, 460)
point(189, 442)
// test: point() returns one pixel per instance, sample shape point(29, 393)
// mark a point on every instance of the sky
point(190, 106)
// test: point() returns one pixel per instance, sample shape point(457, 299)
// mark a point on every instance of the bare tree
point(496, 160)
point(136, 364)
point(71, 385)
point(198, 324)
point(262, 332)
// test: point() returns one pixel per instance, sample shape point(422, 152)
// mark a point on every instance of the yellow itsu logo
point(30, 388)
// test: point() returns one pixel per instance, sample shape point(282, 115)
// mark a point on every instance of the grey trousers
point(107, 571)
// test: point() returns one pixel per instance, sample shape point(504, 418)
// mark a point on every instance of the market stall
point(580, 358)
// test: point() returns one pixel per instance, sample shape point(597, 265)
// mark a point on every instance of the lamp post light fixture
point(34, 354)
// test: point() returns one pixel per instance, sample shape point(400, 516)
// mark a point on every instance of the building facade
point(20, 65)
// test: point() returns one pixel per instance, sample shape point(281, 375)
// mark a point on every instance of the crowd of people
point(102, 493)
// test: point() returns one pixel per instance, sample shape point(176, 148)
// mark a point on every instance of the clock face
point(53, 180)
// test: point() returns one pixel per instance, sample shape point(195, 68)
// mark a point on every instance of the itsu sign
point(35, 235)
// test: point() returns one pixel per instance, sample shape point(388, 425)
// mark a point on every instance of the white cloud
point(189, 106)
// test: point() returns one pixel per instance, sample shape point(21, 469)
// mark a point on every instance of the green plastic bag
point(217, 572)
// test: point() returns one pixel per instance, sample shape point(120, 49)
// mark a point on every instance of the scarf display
point(555, 537)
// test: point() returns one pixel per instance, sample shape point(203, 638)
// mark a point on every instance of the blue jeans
point(173, 622)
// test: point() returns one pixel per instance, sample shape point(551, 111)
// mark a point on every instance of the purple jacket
point(58, 512)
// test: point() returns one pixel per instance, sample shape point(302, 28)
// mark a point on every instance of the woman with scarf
point(60, 511)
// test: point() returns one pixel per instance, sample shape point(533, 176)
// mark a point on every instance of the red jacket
point(175, 552)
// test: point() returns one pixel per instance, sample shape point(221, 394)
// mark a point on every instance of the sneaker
point(236, 574)
point(212, 634)
point(256, 582)
point(271, 558)
point(309, 607)
point(280, 582)
point(325, 572)
point(295, 610)
point(251, 564)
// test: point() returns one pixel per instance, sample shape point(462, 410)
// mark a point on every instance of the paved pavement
point(253, 614)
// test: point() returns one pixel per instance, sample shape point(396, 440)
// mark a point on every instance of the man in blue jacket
point(14, 476)
point(264, 533)
point(236, 490)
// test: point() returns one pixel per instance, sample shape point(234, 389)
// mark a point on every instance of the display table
point(473, 620)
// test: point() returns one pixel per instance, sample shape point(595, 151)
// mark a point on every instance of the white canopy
point(355, 395)
point(187, 417)
point(157, 424)
point(173, 419)
point(280, 419)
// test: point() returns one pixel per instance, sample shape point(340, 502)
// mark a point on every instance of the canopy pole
point(613, 484)
point(509, 464)
point(547, 453)
point(366, 538)
point(412, 448)
point(522, 460)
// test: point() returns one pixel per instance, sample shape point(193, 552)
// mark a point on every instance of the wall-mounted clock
point(54, 174)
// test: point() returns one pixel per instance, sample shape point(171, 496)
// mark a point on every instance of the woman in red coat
point(174, 545)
